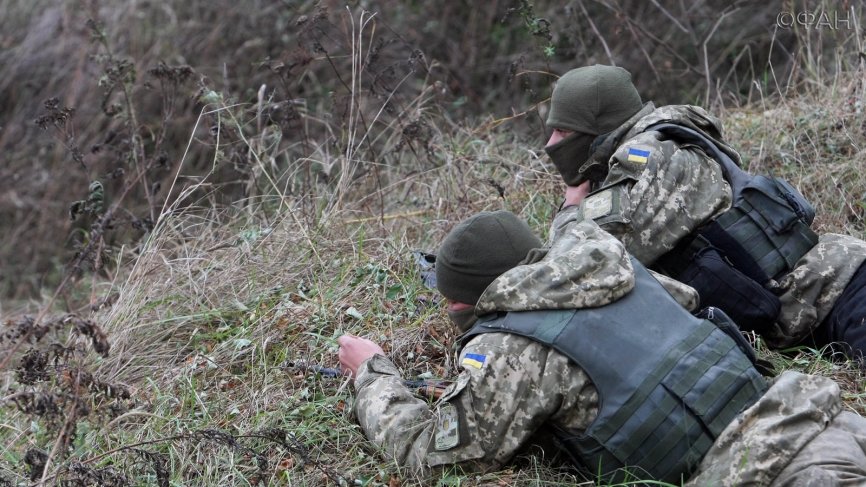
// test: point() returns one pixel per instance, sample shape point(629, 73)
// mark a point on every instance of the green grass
point(215, 304)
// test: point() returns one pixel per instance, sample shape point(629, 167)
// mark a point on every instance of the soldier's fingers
point(345, 366)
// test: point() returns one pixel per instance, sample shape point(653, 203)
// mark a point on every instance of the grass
point(212, 316)
point(217, 304)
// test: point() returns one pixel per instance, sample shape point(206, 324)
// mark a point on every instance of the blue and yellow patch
point(637, 155)
point(473, 360)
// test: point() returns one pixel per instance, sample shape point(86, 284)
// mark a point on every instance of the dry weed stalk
point(248, 268)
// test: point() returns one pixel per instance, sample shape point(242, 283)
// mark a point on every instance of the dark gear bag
point(783, 217)
point(734, 260)
point(767, 229)
point(703, 267)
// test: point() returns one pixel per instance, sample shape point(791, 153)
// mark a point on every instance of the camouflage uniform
point(651, 204)
point(486, 415)
point(510, 386)
point(519, 379)
point(795, 435)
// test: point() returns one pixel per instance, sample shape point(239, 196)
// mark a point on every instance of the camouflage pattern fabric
point(584, 268)
point(660, 199)
point(837, 456)
point(486, 416)
point(795, 433)
point(810, 290)
point(658, 191)
point(682, 293)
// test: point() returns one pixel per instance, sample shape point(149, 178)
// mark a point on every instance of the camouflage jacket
point(509, 386)
point(658, 192)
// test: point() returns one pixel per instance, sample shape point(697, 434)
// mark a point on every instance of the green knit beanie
point(478, 250)
point(593, 100)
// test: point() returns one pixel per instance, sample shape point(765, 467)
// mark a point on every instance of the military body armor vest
point(668, 382)
point(734, 261)
point(767, 229)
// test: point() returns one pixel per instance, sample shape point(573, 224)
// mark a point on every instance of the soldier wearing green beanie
point(577, 345)
point(660, 179)
point(477, 251)
point(599, 99)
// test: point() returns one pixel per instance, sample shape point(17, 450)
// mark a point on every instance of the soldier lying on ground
point(660, 180)
point(580, 343)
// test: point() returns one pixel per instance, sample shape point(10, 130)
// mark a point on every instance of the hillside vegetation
point(265, 173)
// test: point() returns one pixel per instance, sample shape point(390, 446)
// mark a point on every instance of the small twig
point(121, 448)
point(298, 448)
point(597, 33)
point(706, 56)
point(668, 15)
point(672, 50)
point(499, 121)
point(71, 418)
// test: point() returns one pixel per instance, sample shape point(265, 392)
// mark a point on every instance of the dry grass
point(218, 303)
point(207, 315)
point(294, 66)
point(816, 140)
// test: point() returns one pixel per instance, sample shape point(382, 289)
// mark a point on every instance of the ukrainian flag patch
point(637, 155)
point(473, 360)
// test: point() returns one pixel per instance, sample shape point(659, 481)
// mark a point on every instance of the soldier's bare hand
point(575, 194)
point(354, 351)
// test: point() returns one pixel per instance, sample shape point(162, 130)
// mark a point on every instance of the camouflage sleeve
point(585, 267)
point(569, 214)
point(389, 414)
point(509, 387)
point(656, 193)
point(677, 189)
point(809, 292)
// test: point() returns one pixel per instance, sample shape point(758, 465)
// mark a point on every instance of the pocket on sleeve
point(454, 437)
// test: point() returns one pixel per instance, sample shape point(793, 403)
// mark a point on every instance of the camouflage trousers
point(796, 435)
point(837, 456)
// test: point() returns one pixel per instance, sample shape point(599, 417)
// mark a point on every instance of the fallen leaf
point(286, 464)
point(354, 313)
